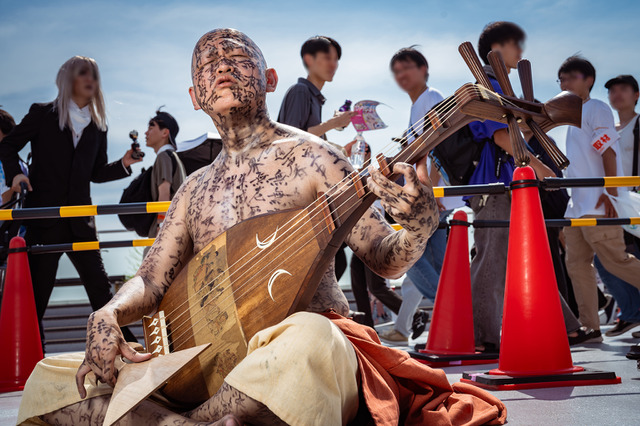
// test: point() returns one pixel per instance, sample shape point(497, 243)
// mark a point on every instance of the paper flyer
point(367, 118)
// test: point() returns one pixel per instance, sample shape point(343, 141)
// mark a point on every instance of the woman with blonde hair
point(69, 150)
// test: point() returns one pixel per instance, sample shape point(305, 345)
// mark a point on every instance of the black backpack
point(139, 191)
point(458, 155)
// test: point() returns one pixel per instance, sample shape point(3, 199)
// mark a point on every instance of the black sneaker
point(586, 335)
point(488, 348)
point(621, 327)
point(634, 352)
point(420, 320)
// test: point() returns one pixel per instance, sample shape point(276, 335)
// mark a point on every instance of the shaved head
point(230, 79)
point(229, 39)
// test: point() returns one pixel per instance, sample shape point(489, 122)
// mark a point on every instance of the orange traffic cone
point(19, 330)
point(532, 305)
point(451, 340)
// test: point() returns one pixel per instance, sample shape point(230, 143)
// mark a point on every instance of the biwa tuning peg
point(559, 159)
point(526, 81)
point(470, 57)
point(518, 145)
point(500, 71)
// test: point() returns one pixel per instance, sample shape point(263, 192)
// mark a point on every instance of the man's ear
point(192, 93)
point(305, 60)
point(165, 133)
point(426, 72)
point(272, 79)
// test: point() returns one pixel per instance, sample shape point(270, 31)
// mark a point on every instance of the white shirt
point(164, 147)
point(419, 109)
point(626, 146)
point(80, 119)
point(585, 147)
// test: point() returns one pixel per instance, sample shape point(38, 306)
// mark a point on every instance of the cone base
point(586, 377)
point(453, 363)
point(448, 353)
point(10, 387)
point(422, 348)
point(521, 373)
point(445, 360)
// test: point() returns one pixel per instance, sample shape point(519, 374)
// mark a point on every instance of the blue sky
point(143, 49)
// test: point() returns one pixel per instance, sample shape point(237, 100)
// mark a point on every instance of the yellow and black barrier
point(551, 223)
point(145, 242)
point(80, 211)
point(606, 182)
point(84, 246)
point(439, 192)
point(561, 223)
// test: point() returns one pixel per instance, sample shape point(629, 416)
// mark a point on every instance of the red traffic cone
point(532, 305)
point(451, 340)
point(451, 329)
point(19, 330)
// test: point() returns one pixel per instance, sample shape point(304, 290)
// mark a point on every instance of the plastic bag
point(627, 204)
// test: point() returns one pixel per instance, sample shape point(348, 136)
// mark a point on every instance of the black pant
point(45, 266)
point(553, 234)
point(363, 277)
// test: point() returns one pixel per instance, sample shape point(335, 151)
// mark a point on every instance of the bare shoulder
point(194, 179)
point(322, 161)
point(188, 190)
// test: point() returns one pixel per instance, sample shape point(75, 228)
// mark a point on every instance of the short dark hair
point(319, 44)
point(7, 123)
point(498, 32)
point(409, 54)
point(580, 64)
point(164, 120)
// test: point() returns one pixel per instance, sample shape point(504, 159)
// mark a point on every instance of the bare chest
point(225, 196)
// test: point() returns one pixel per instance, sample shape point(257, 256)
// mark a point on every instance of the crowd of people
point(80, 114)
point(598, 148)
point(69, 150)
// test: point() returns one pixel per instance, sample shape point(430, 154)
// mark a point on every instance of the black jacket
point(59, 173)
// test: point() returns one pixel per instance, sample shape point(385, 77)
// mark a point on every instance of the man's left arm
point(603, 138)
point(610, 169)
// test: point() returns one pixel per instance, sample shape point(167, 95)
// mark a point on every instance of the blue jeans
point(627, 296)
point(425, 273)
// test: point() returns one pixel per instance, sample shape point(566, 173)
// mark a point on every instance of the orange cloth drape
point(399, 390)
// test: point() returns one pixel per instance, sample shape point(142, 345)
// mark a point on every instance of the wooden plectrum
point(136, 381)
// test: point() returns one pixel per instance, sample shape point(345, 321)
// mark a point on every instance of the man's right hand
point(104, 343)
point(342, 119)
point(15, 185)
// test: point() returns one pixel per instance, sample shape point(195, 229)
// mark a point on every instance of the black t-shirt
point(302, 105)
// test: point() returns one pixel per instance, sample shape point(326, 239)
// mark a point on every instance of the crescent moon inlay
point(263, 245)
point(275, 275)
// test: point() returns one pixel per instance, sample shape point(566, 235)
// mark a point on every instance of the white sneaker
point(393, 337)
point(608, 313)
